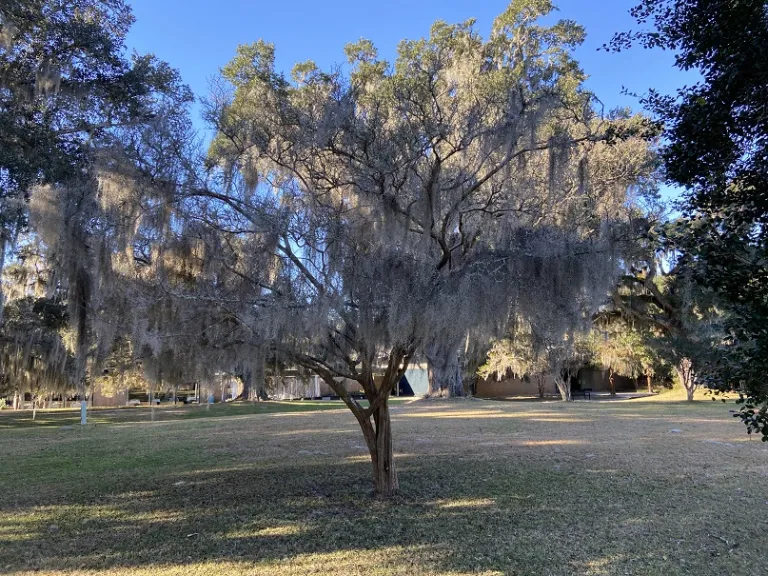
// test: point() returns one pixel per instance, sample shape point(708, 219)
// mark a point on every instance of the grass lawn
point(487, 488)
point(163, 413)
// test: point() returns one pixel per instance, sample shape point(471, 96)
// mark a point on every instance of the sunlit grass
point(486, 488)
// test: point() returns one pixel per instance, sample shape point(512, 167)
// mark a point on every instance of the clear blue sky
point(200, 36)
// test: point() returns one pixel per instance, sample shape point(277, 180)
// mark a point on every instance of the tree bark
point(261, 390)
point(469, 382)
point(259, 383)
point(254, 380)
point(247, 379)
point(564, 387)
point(444, 371)
point(687, 376)
point(379, 440)
point(611, 382)
point(374, 420)
point(540, 385)
point(2, 267)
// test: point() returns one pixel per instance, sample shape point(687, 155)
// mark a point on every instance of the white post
point(83, 412)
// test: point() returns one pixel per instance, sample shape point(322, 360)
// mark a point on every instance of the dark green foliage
point(717, 149)
point(64, 83)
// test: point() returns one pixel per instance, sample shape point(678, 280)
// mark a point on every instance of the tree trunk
point(540, 385)
point(260, 378)
point(687, 377)
point(374, 420)
point(261, 389)
point(611, 382)
point(377, 429)
point(2, 267)
point(469, 383)
point(444, 371)
point(564, 387)
point(378, 437)
point(650, 383)
point(247, 378)
point(254, 380)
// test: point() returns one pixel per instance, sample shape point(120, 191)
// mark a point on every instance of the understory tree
point(618, 348)
point(678, 320)
point(521, 355)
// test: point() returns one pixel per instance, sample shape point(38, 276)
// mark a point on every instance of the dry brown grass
point(589, 488)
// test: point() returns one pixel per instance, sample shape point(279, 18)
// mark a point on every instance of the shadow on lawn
point(460, 514)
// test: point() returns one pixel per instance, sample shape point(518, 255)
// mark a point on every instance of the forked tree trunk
point(377, 431)
point(564, 387)
point(444, 371)
point(374, 420)
point(378, 437)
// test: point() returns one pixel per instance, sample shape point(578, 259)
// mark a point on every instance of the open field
point(487, 487)
point(163, 413)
